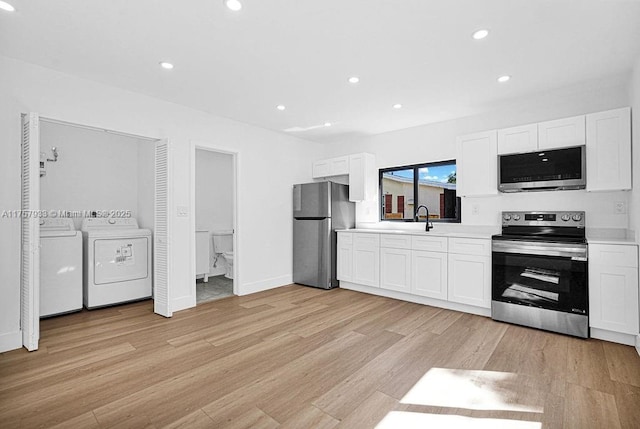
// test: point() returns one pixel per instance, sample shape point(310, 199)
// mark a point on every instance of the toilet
point(223, 246)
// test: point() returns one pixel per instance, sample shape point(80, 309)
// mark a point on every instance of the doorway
point(77, 172)
point(214, 223)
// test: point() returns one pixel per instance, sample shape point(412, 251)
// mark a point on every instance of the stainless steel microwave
point(548, 170)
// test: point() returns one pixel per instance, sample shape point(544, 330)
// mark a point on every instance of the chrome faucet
point(427, 226)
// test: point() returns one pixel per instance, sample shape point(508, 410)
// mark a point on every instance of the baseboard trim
point(10, 341)
point(183, 303)
point(638, 343)
point(262, 285)
point(614, 337)
point(464, 308)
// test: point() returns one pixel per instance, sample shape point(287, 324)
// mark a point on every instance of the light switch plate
point(183, 211)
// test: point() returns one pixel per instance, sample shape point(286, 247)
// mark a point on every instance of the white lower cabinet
point(395, 269)
point(613, 288)
point(366, 259)
point(470, 274)
point(429, 274)
point(344, 269)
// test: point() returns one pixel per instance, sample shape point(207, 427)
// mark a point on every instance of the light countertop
point(483, 232)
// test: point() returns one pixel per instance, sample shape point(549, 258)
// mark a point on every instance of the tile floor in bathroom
point(217, 287)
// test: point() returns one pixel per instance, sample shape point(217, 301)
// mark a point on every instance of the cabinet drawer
point(345, 238)
point(366, 240)
point(613, 255)
point(395, 241)
point(470, 246)
point(434, 244)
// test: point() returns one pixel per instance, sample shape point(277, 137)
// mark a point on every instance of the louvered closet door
point(30, 233)
point(162, 231)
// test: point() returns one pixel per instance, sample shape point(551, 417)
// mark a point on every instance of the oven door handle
point(575, 252)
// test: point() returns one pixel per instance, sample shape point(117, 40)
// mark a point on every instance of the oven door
point(551, 276)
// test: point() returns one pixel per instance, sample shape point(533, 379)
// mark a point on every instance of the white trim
point(182, 303)
point(638, 343)
point(417, 299)
point(235, 161)
point(262, 285)
point(614, 337)
point(92, 128)
point(10, 341)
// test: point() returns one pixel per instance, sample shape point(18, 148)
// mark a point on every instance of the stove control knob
point(577, 217)
point(506, 216)
point(565, 217)
point(516, 217)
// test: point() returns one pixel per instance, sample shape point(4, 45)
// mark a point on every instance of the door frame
point(235, 161)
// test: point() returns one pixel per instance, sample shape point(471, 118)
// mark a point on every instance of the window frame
point(416, 178)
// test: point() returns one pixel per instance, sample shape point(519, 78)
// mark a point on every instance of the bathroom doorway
point(214, 217)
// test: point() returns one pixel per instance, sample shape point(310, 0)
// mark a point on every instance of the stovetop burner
point(560, 227)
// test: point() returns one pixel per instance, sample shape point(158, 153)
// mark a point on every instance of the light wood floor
point(298, 357)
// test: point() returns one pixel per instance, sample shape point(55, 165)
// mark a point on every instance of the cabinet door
point(344, 269)
point(366, 259)
point(395, 269)
point(339, 165)
point(613, 298)
point(561, 133)
point(429, 274)
point(321, 168)
point(363, 177)
point(477, 164)
point(470, 280)
point(518, 139)
point(609, 150)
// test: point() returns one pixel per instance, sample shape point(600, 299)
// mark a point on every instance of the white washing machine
point(60, 267)
point(117, 261)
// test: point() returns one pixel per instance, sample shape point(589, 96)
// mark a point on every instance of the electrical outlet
point(620, 207)
point(183, 211)
point(475, 209)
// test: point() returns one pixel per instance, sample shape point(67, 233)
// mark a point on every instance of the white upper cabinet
point(518, 139)
point(561, 133)
point(363, 178)
point(609, 150)
point(477, 164)
point(331, 167)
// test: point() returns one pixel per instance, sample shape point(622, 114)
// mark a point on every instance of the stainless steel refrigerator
point(319, 209)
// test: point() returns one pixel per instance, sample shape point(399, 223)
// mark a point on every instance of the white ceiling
point(300, 53)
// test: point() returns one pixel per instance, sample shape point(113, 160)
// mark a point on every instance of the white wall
point(95, 170)
point(268, 165)
point(146, 184)
point(214, 197)
point(436, 142)
point(634, 206)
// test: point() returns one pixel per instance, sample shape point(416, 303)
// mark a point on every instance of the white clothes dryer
point(60, 267)
point(117, 261)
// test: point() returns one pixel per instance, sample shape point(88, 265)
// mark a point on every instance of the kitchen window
point(404, 189)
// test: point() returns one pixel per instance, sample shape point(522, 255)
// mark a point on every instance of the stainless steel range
point(539, 272)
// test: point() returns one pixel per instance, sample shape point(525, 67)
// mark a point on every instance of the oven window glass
point(553, 283)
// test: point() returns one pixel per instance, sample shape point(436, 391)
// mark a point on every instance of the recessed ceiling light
point(397, 106)
point(234, 5)
point(544, 160)
point(327, 124)
point(504, 78)
point(480, 34)
point(280, 107)
point(354, 79)
point(166, 65)
point(6, 6)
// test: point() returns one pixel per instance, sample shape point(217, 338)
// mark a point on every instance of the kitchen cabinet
point(344, 269)
point(613, 288)
point(363, 177)
point(366, 259)
point(561, 133)
point(429, 274)
point(518, 139)
point(331, 167)
point(609, 150)
point(395, 269)
point(477, 164)
point(469, 271)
